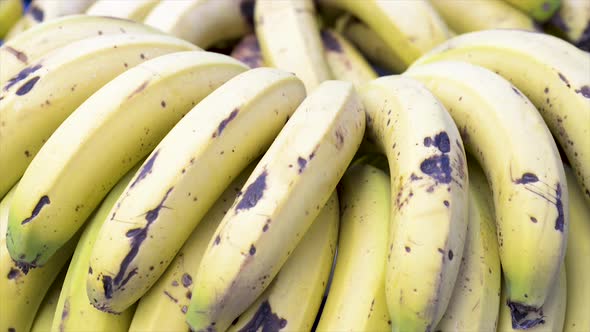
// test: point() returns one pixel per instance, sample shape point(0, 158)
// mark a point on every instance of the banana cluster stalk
point(429, 178)
point(277, 205)
point(135, 10)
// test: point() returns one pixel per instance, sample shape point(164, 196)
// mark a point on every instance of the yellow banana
point(573, 21)
point(40, 11)
point(135, 10)
point(44, 317)
point(10, 13)
point(540, 10)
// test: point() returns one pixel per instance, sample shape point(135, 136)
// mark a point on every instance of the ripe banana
point(21, 293)
point(10, 13)
point(523, 168)
point(577, 257)
point(409, 28)
point(125, 119)
point(164, 306)
point(175, 187)
point(38, 99)
point(552, 73)
point(289, 39)
point(469, 15)
point(44, 317)
point(135, 10)
point(248, 51)
point(540, 10)
point(292, 300)
point(573, 21)
point(40, 11)
point(549, 318)
point(429, 191)
point(74, 311)
point(22, 50)
point(203, 22)
point(476, 297)
point(17, 28)
point(356, 301)
point(344, 60)
point(279, 202)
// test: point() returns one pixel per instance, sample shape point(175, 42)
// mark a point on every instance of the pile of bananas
point(239, 165)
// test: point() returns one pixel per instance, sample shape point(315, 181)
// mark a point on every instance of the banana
point(577, 257)
point(40, 11)
point(429, 191)
point(549, 318)
point(476, 297)
point(203, 22)
point(344, 60)
point(135, 10)
point(409, 28)
point(10, 13)
point(292, 300)
point(175, 187)
point(552, 73)
point(573, 21)
point(21, 51)
point(540, 10)
point(44, 317)
point(17, 28)
point(114, 128)
point(21, 293)
point(289, 38)
point(280, 200)
point(469, 15)
point(74, 311)
point(248, 51)
point(164, 306)
point(38, 99)
point(356, 301)
point(523, 168)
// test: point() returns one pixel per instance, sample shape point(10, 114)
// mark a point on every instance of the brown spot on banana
point(253, 193)
point(20, 56)
point(138, 89)
point(224, 123)
point(44, 200)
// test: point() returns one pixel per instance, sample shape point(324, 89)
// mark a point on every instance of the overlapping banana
point(175, 186)
point(552, 73)
point(44, 317)
point(292, 300)
point(524, 170)
point(277, 205)
point(135, 10)
point(540, 10)
point(125, 120)
point(429, 178)
point(42, 95)
point(573, 21)
point(356, 301)
point(10, 13)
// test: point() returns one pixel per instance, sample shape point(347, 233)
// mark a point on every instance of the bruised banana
point(524, 170)
point(164, 306)
point(22, 50)
point(429, 181)
point(356, 301)
point(175, 186)
point(289, 38)
point(279, 202)
point(10, 13)
point(41, 96)
point(110, 132)
point(551, 72)
point(74, 311)
point(203, 22)
point(573, 21)
point(44, 317)
point(135, 10)
point(292, 300)
point(476, 297)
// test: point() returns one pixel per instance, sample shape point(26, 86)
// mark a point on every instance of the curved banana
point(476, 297)
point(40, 11)
point(293, 298)
point(467, 15)
point(10, 13)
point(37, 100)
point(429, 191)
point(289, 38)
point(279, 202)
point(164, 306)
point(203, 22)
point(17, 28)
point(577, 257)
point(21, 293)
point(247, 50)
point(408, 28)
point(109, 133)
point(22, 50)
point(573, 21)
point(175, 186)
point(523, 167)
point(74, 311)
point(356, 301)
point(552, 73)
point(135, 10)
point(44, 317)
point(549, 318)
point(540, 10)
